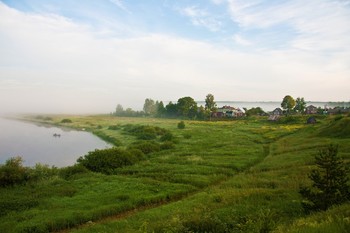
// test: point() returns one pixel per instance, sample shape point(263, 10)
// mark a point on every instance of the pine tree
point(330, 181)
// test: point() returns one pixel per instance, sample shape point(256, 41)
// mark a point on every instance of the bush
point(168, 136)
point(145, 132)
point(181, 125)
point(13, 172)
point(42, 171)
point(114, 127)
point(17, 203)
point(167, 145)
point(289, 119)
point(147, 136)
point(146, 147)
point(107, 160)
point(68, 172)
point(204, 223)
point(66, 121)
point(337, 118)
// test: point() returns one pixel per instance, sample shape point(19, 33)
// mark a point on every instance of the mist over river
point(36, 143)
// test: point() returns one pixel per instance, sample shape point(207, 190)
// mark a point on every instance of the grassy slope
point(241, 176)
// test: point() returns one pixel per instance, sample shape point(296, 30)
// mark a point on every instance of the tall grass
point(229, 176)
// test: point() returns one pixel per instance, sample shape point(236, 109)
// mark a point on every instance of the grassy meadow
point(217, 176)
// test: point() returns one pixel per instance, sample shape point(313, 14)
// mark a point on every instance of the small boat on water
point(56, 135)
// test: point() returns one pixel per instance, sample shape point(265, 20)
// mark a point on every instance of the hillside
point(232, 176)
point(339, 127)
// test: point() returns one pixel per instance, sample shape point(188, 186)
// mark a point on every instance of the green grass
point(230, 176)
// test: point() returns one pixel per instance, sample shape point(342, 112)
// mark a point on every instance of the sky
point(73, 56)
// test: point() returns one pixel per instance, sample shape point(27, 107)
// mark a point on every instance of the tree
point(187, 107)
point(288, 103)
point(149, 107)
point(160, 109)
point(119, 110)
point(202, 113)
point(210, 104)
point(171, 109)
point(330, 181)
point(254, 111)
point(13, 172)
point(181, 125)
point(300, 105)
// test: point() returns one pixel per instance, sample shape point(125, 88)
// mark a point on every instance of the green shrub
point(137, 153)
point(147, 136)
point(114, 127)
point(66, 120)
point(181, 125)
point(187, 136)
point(107, 160)
point(70, 171)
point(13, 172)
point(42, 171)
point(205, 223)
point(146, 146)
point(168, 136)
point(144, 132)
point(337, 118)
point(289, 119)
point(17, 203)
point(167, 145)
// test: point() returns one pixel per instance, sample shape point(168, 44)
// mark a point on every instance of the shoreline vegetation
point(179, 175)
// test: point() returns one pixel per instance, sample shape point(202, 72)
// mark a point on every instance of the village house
point(311, 109)
point(338, 110)
point(228, 111)
point(277, 112)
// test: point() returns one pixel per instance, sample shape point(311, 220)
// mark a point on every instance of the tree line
point(185, 107)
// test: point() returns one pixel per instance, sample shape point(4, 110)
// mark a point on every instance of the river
point(36, 143)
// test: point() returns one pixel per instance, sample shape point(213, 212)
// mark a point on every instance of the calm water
point(36, 143)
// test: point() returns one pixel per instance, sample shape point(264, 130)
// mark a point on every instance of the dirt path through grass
point(129, 213)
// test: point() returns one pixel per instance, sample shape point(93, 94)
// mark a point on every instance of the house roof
point(311, 106)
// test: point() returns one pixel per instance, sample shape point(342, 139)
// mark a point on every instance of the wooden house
point(311, 109)
point(277, 112)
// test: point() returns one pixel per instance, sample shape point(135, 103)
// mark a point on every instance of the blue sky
point(87, 56)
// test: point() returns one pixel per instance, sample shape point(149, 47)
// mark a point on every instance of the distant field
point(224, 176)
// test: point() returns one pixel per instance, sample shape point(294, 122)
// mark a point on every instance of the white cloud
point(50, 63)
point(317, 26)
point(241, 40)
point(201, 17)
point(218, 2)
point(120, 4)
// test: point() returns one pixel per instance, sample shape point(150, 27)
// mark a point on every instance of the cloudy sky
point(73, 56)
